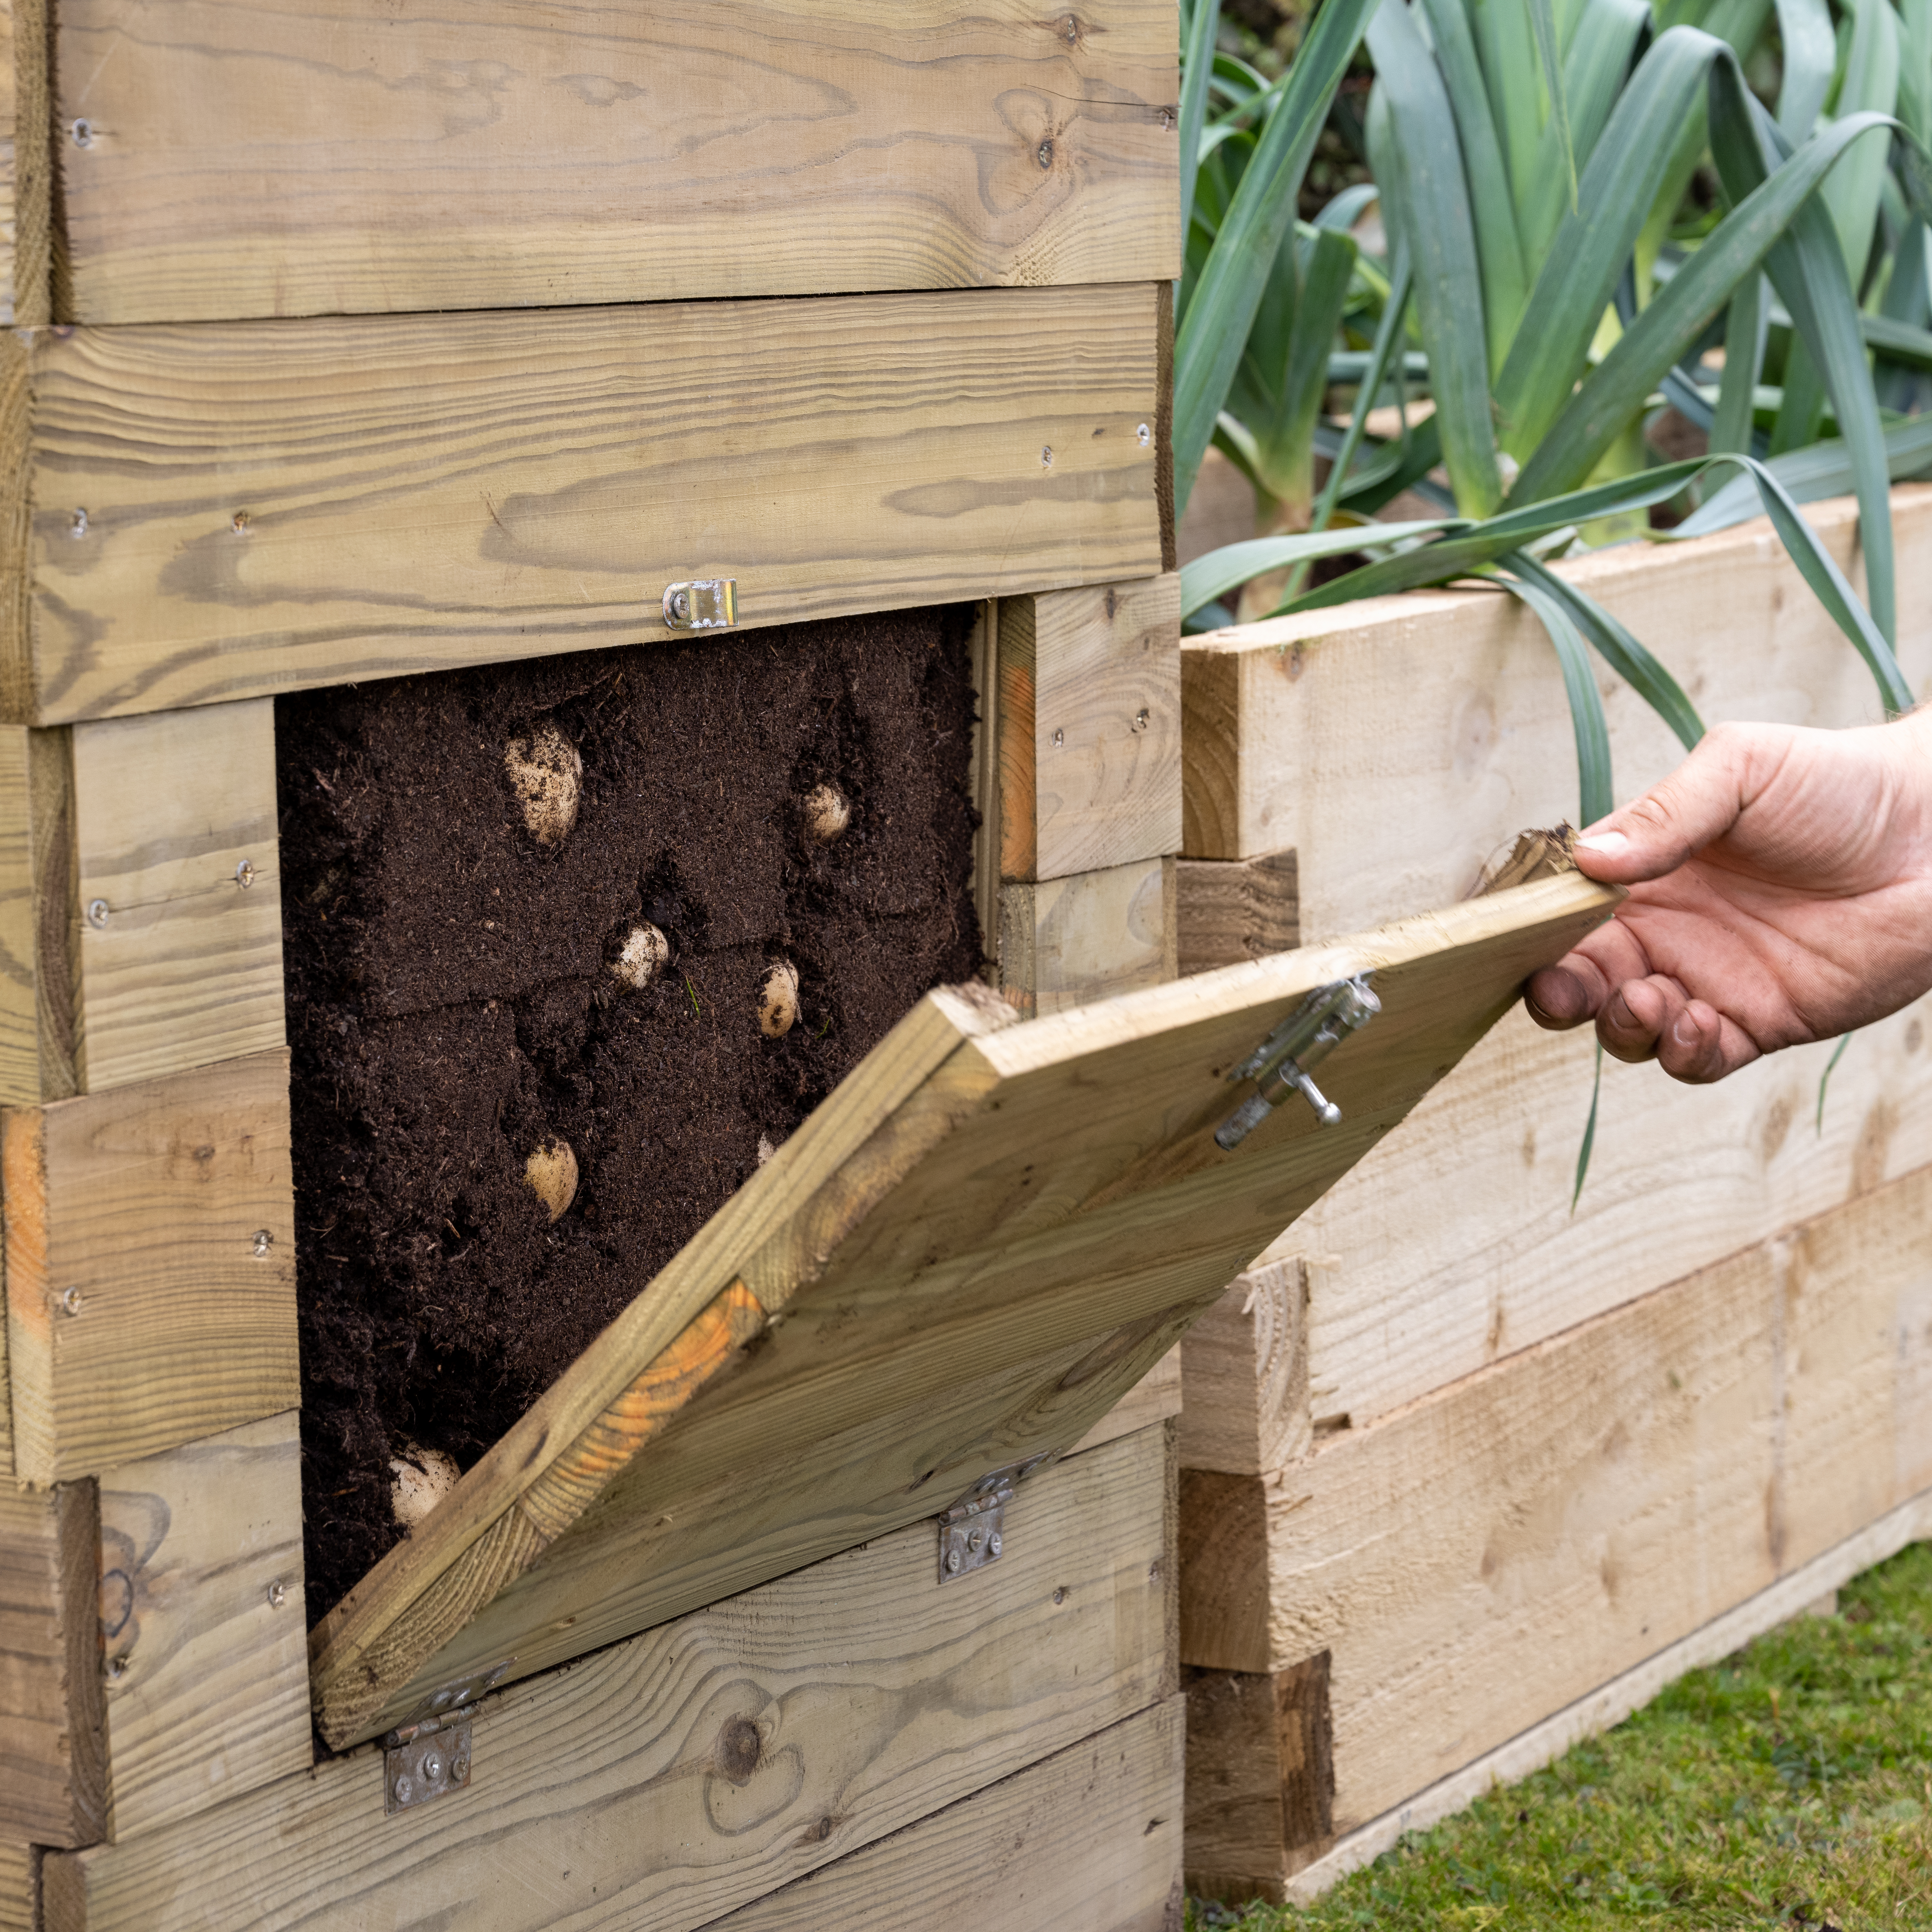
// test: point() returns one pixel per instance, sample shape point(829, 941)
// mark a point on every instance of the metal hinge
point(1280, 1064)
point(972, 1532)
point(430, 1755)
point(703, 604)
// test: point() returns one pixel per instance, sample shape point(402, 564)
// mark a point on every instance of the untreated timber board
point(1089, 728)
point(150, 1253)
point(1244, 1374)
point(987, 1234)
point(1065, 943)
point(1489, 1554)
point(53, 1759)
point(1455, 1243)
point(202, 1624)
point(1228, 909)
point(1290, 739)
point(1089, 1838)
point(227, 511)
point(680, 1775)
point(314, 157)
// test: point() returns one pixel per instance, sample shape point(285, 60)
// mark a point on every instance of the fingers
point(1654, 1019)
point(1575, 988)
point(1700, 801)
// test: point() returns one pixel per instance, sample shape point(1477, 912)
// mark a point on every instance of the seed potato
point(778, 1005)
point(546, 773)
point(646, 950)
point(827, 813)
point(423, 1478)
point(551, 1173)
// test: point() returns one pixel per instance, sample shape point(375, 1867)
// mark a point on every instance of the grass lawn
point(1790, 1785)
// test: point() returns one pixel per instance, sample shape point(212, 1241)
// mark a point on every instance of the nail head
point(70, 1301)
point(244, 873)
point(96, 913)
point(82, 132)
point(277, 1593)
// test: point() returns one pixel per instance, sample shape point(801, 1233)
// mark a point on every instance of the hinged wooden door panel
point(988, 1232)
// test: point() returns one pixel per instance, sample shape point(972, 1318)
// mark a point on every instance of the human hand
point(1781, 891)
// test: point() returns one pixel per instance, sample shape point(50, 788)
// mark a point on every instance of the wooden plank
point(275, 505)
point(676, 1776)
point(1065, 943)
point(39, 918)
point(1486, 1556)
point(710, 147)
point(20, 1888)
point(202, 1624)
point(1290, 739)
point(1228, 909)
point(1090, 729)
point(144, 1307)
point(180, 953)
point(1155, 1398)
point(26, 170)
point(962, 1260)
point(1455, 1244)
point(53, 1762)
point(1088, 1838)
point(1244, 1374)
point(1544, 1744)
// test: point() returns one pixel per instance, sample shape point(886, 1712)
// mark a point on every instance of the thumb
point(1655, 834)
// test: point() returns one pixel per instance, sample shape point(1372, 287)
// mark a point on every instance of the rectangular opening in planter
point(570, 946)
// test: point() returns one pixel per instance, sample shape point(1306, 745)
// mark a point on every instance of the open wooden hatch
point(987, 1233)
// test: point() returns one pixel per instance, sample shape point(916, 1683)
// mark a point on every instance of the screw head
point(681, 603)
point(1044, 153)
point(1046, 456)
point(974, 1540)
point(115, 1669)
point(952, 1562)
point(1060, 1595)
point(1143, 435)
point(70, 1301)
point(263, 1242)
point(96, 913)
point(244, 873)
point(239, 522)
point(404, 1789)
point(1167, 119)
point(432, 1766)
point(459, 1769)
point(1059, 739)
point(1140, 721)
point(77, 524)
point(277, 1593)
point(1153, 1570)
point(82, 132)
point(994, 1543)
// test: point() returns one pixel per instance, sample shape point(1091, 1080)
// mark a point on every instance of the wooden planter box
point(1466, 1476)
point(339, 347)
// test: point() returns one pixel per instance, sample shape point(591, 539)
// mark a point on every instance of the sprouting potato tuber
point(550, 1175)
point(546, 774)
point(645, 950)
point(778, 1005)
point(424, 1477)
point(827, 813)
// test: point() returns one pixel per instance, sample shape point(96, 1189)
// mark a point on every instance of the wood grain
point(964, 1258)
point(140, 1315)
point(20, 1888)
point(1290, 739)
point(172, 813)
point(680, 1775)
point(52, 1768)
point(276, 504)
point(1065, 943)
point(1244, 1374)
point(26, 169)
point(1228, 909)
point(1491, 1553)
point(201, 1623)
point(306, 158)
point(1087, 1838)
point(1090, 729)
point(39, 918)
point(1155, 1398)
point(1455, 1244)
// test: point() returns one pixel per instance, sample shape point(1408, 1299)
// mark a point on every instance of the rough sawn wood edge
point(695, 1319)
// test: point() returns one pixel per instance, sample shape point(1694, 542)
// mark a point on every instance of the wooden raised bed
point(1466, 1476)
point(348, 347)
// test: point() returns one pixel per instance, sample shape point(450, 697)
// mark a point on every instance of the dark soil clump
point(452, 1005)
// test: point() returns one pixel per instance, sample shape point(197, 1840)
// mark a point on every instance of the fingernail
point(1684, 1031)
point(1609, 843)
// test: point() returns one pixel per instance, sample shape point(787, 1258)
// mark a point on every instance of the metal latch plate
point(1283, 1062)
point(701, 604)
point(972, 1531)
point(423, 1762)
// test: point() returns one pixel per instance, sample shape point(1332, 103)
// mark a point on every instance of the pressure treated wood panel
point(26, 164)
point(52, 1772)
point(20, 1888)
point(1088, 1838)
point(1492, 1552)
point(1228, 909)
point(143, 1308)
point(1290, 738)
point(172, 813)
point(1066, 943)
point(670, 1779)
point(1454, 1243)
point(1090, 728)
point(40, 917)
point(1155, 1398)
point(974, 1246)
point(313, 157)
point(201, 1617)
point(272, 504)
